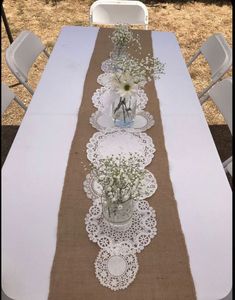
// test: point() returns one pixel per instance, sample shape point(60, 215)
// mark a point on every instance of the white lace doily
point(139, 232)
point(104, 79)
point(94, 190)
point(103, 97)
point(106, 66)
point(116, 266)
point(120, 141)
point(142, 122)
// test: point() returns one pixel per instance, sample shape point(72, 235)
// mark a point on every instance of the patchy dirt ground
point(193, 23)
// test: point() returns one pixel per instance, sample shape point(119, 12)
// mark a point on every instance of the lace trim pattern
point(116, 266)
point(120, 141)
point(139, 231)
point(104, 79)
point(143, 121)
point(106, 66)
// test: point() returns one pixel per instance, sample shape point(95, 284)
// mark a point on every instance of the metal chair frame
point(8, 96)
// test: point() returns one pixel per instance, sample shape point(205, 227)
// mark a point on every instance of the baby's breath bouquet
point(123, 38)
point(140, 70)
point(121, 179)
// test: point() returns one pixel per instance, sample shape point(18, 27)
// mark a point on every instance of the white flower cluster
point(123, 37)
point(120, 178)
point(140, 70)
point(124, 84)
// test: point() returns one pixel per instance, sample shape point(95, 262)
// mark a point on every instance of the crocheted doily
point(142, 122)
point(116, 266)
point(139, 231)
point(120, 141)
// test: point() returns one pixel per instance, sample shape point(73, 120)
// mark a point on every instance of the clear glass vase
point(117, 53)
point(124, 111)
point(117, 213)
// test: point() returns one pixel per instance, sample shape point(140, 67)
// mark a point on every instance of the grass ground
point(192, 21)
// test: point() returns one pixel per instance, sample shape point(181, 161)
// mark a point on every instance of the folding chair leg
point(46, 53)
point(20, 103)
point(227, 161)
point(204, 98)
point(28, 87)
point(206, 90)
point(193, 58)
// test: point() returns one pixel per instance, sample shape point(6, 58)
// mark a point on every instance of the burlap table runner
point(164, 272)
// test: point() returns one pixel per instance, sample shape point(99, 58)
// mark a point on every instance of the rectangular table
point(33, 174)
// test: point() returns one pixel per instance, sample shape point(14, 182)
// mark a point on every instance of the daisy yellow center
point(127, 87)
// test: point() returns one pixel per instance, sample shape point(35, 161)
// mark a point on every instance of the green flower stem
point(118, 106)
point(125, 110)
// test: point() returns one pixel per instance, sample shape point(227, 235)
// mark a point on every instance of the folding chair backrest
point(7, 97)
point(218, 54)
point(117, 12)
point(221, 94)
point(22, 53)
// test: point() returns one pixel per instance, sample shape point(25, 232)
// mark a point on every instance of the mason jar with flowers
point(122, 39)
point(121, 180)
point(131, 75)
point(124, 99)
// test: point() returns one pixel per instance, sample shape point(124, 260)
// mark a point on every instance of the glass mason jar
point(118, 52)
point(124, 111)
point(118, 213)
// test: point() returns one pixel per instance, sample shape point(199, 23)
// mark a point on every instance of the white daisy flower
point(124, 85)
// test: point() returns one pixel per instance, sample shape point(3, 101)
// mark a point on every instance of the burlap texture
point(164, 272)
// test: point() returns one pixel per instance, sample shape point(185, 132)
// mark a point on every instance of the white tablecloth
point(33, 174)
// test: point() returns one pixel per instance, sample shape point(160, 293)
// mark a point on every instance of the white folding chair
point(218, 55)
point(119, 12)
point(229, 168)
point(221, 94)
point(21, 55)
point(7, 97)
point(4, 296)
